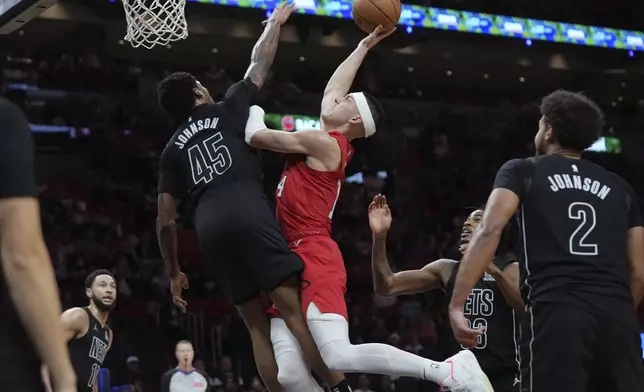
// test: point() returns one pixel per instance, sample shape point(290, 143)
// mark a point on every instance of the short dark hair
point(175, 94)
point(376, 109)
point(575, 119)
point(89, 281)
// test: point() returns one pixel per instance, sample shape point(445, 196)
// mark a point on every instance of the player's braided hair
point(176, 96)
point(89, 281)
point(575, 119)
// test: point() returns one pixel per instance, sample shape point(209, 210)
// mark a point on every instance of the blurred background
point(460, 82)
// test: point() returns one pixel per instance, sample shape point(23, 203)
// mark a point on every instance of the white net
point(155, 22)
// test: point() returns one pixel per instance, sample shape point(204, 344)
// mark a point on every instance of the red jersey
point(306, 197)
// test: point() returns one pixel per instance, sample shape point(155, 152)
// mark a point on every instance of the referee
point(29, 307)
point(184, 377)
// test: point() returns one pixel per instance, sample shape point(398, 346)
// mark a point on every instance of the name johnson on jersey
point(194, 128)
point(566, 181)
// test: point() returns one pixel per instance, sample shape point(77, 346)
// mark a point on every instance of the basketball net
point(155, 22)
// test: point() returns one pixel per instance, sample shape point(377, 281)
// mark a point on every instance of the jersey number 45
point(207, 157)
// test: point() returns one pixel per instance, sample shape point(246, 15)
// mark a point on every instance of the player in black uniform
point(582, 264)
point(30, 327)
point(88, 336)
point(184, 377)
point(491, 304)
point(209, 158)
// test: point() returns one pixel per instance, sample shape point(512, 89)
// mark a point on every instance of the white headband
point(365, 113)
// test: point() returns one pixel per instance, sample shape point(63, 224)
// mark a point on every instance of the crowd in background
point(98, 193)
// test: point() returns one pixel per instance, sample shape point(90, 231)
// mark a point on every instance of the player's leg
point(217, 241)
point(277, 270)
point(293, 373)
point(556, 348)
point(286, 298)
point(258, 326)
point(246, 298)
point(331, 333)
point(619, 355)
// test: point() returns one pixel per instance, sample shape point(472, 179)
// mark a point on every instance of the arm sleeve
point(634, 213)
point(16, 153)
point(169, 180)
point(238, 100)
point(512, 176)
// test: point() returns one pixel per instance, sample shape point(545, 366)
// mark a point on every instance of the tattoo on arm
point(263, 54)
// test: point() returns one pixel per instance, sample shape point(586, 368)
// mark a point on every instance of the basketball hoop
point(155, 22)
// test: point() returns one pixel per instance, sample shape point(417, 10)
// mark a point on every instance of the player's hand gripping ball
point(369, 14)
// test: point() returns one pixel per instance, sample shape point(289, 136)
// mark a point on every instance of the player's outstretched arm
point(508, 282)
point(385, 282)
point(315, 143)
point(342, 79)
point(264, 50)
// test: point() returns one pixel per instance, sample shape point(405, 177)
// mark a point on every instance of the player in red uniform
point(306, 198)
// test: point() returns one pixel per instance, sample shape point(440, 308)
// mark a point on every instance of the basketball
point(368, 14)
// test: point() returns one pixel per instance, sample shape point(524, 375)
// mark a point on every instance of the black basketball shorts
point(507, 381)
point(568, 348)
point(243, 243)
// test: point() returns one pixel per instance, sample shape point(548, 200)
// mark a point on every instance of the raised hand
point(177, 284)
point(376, 36)
point(281, 14)
point(379, 215)
point(465, 335)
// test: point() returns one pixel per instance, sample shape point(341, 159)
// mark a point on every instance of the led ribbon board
point(415, 16)
point(295, 122)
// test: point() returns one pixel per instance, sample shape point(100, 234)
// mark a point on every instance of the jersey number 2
point(585, 214)
point(280, 189)
point(208, 157)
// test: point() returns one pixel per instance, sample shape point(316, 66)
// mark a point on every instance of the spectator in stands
point(363, 384)
point(386, 385)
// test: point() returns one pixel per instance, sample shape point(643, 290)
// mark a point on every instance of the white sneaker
point(466, 375)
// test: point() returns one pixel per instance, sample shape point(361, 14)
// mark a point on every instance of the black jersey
point(88, 352)
point(574, 218)
point(496, 349)
point(175, 380)
point(19, 361)
point(208, 153)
